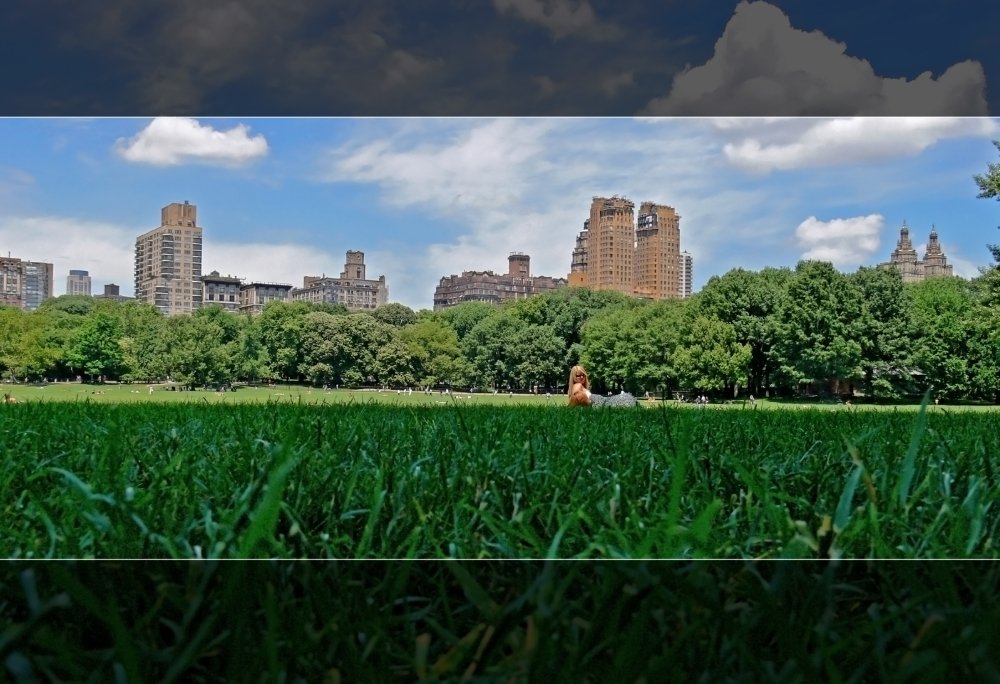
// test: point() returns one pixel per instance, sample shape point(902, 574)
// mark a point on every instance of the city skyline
point(424, 198)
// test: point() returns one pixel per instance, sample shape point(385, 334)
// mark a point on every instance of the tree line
point(777, 331)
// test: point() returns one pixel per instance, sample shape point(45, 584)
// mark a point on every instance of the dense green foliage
point(773, 332)
point(446, 621)
point(376, 481)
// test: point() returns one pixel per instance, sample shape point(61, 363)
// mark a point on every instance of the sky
point(424, 198)
point(500, 58)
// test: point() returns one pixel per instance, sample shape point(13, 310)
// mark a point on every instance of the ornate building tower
point(904, 258)
point(935, 262)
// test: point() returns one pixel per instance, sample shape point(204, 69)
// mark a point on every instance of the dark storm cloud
point(503, 57)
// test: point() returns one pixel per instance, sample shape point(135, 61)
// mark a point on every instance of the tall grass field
point(356, 480)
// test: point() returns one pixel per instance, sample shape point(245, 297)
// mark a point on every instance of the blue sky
point(428, 197)
point(500, 58)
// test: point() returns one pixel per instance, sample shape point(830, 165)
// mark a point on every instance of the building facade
point(578, 265)
point(25, 284)
point(168, 261)
point(255, 295)
point(222, 290)
point(352, 289)
point(611, 244)
point(641, 258)
point(78, 283)
point(493, 288)
point(687, 274)
point(112, 291)
point(904, 258)
point(657, 252)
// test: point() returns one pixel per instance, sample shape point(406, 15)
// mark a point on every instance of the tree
point(884, 328)
point(342, 349)
point(394, 314)
point(464, 317)
point(750, 302)
point(281, 327)
point(489, 349)
point(989, 188)
point(96, 348)
point(817, 338)
point(711, 357)
point(942, 309)
point(434, 353)
point(202, 350)
point(78, 305)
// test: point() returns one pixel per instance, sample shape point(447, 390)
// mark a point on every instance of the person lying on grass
point(580, 394)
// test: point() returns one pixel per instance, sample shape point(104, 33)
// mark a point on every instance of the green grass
point(499, 622)
point(299, 394)
point(362, 479)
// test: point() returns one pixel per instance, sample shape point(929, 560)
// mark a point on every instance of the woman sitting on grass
point(580, 395)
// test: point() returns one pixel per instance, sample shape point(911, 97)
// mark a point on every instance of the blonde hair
point(572, 379)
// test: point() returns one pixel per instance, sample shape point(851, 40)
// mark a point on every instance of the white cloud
point(15, 181)
point(847, 242)
point(561, 17)
point(103, 249)
point(171, 141)
point(480, 167)
point(270, 263)
point(526, 185)
point(107, 251)
point(762, 65)
point(784, 145)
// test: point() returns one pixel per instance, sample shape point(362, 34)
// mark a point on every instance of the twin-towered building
point(168, 275)
point(904, 258)
point(642, 258)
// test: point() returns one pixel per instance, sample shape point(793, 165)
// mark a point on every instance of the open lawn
point(299, 394)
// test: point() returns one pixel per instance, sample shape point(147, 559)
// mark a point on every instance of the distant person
point(580, 395)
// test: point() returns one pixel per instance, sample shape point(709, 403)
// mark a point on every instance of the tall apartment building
point(613, 252)
point(352, 288)
point(904, 258)
point(578, 266)
point(611, 244)
point(168, 261)
point(221, 290)
point(487, 286)
point(78, 283)
point(657, 252)
point(687, 274)
point(25, 284)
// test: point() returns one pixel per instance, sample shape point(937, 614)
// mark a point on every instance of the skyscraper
point(613, 253)
point(168, 261)
point(25, 284)
point(657, 252)
point(611, 244)
point(78, 283)
point(687, 274)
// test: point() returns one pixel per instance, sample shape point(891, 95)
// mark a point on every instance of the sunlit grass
point(368, 480)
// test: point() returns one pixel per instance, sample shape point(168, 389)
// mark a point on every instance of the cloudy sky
point(500, 58)
point(424, 198)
